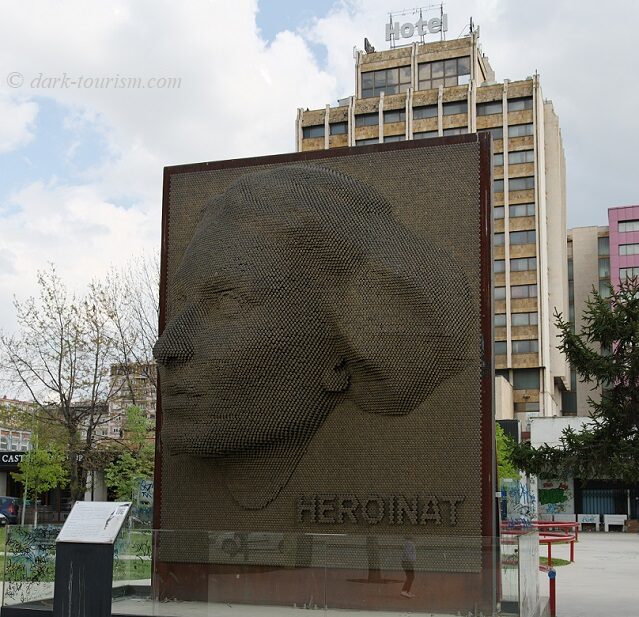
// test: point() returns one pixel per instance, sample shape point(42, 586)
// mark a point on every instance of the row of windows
point(420, 135)
point(521, 264)
point(516, 292)
point(629, 225)
point(496, 107)
point(527, 236)
point(514, 184)
point(451, 72)
point(628, 273)
point(525, 346)
point(515, 210)
point(629, 249)
point(389, 81)
point(514, 130)
point(514, 158)
point(516, 319)
point(429, 111)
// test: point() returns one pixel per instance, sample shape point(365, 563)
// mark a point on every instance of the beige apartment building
point(427, 90)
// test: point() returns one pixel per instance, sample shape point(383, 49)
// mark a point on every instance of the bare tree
point(61, 355)
point(129, 296)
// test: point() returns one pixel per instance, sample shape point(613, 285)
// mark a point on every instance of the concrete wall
point(585, 259)
point(503, 399)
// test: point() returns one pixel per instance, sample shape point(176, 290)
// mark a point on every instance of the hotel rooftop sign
point(435, 25)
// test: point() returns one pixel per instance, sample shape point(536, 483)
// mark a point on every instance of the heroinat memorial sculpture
point(300, 289)
point(325, 368)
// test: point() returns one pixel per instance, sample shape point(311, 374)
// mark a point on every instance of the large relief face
point(298, 290)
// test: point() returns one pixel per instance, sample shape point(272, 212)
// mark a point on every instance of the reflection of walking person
point(409, 557)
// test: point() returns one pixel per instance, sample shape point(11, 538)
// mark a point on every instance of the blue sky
point(81, 169)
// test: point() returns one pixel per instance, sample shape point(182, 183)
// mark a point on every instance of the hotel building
point(427, 90)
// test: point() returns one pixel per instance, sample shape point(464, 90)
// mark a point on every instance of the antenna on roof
point(368, 48)
point(472, 26)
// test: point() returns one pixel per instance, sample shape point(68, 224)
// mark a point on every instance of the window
point(500, 265)
point(455, 107)
point(390, 138)
point(520, 104)
point(500, 320)
point(521, 156)
point(520, 130)
point(367, 119)
point(604, 267)
point(628, 225)
point(500, 293)
point(523, 237)
point(426, 111)
point(523, 291)
point(499, 212)
point(366, 142)
point(498, 159)
point(451, 72)
point(499, 239)
point(526, 407)
point(488, 109)
point(498, 185)
point(462, 130)
point(526, 379)
point(496, 131)
point(501, 347)
point(389, 81)
point(524, 264)
point(425, 134)
point(627, 273)
point(316, 130)
point(516, 210)
point(526, 346)
point(571, 271)
point(604, 289)
point(603, 245)
point(629, 249)
point(521, 184)
point(339, 128)
point(523, 319)
point(397, 115)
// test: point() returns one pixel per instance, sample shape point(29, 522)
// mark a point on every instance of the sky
point(81, 165)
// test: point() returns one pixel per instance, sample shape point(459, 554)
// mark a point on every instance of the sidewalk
point(603, 581)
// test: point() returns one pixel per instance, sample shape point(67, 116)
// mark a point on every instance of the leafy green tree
point(41, 470)
point(136, 458)
point(504, 446)
point(605, 353)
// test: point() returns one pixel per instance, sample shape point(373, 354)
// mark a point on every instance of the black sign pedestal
point(83, 580)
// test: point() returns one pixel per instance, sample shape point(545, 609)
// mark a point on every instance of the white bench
point(589, 519)
point(615, 519)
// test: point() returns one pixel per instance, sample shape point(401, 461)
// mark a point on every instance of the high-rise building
point(442, 88)
point(597, 258)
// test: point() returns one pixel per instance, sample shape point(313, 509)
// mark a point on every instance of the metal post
point(572, 551)
point(550, 554)
point(552, 575)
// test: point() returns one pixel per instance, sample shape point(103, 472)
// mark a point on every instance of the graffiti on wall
point(556, 497)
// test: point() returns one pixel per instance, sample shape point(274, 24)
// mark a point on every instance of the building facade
point(444, 88)
point(597, 258)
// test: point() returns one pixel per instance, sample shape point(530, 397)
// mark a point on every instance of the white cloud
point(238, 97)
point(16, 123)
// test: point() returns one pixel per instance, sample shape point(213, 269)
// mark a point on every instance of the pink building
point(624, 243)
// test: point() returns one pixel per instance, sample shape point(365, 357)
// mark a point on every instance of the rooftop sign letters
point(395, 30)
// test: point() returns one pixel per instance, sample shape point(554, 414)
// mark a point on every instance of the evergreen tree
point(605, 354)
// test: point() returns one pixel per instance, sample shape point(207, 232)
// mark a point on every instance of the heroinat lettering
point(373, 509)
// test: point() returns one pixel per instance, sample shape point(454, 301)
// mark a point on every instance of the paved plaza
point(603, 581)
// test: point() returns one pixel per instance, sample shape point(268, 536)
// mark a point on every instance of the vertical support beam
point(298, 130)
point(351, 121)
point(440, 111)
point(504, 128)
point(409, 113)
point(327, 126)
point(380, 112)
